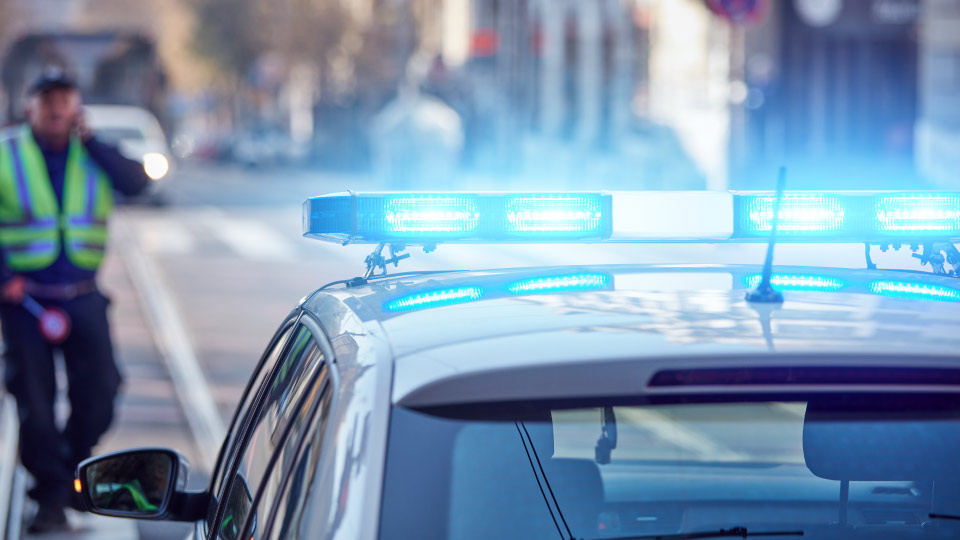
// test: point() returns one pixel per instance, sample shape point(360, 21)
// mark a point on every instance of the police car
point(589, 402)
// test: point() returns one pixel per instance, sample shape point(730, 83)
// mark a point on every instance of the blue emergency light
point(421, 218)
point(691, 216)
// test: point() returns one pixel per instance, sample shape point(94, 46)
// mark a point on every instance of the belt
point(60, 291)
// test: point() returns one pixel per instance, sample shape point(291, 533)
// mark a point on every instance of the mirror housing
point(142, 483)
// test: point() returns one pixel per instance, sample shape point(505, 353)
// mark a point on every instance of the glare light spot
point(155, 165)
point(915, 291)
point(77, 486)
point(432, 299)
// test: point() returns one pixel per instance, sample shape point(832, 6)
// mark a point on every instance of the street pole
point(553, 14)
point(589, 74)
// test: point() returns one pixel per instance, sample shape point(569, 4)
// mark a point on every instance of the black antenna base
point(764, 293)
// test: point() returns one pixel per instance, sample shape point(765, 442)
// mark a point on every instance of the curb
point(11, 477)
point(172, 340)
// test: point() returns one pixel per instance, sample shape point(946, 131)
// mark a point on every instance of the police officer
point(56, 194)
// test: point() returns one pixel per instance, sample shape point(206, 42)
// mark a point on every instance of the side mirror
point(143, 483)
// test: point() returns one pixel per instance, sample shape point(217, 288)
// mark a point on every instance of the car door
point(278, 416)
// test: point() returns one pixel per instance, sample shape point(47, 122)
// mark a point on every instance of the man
point(56, 194)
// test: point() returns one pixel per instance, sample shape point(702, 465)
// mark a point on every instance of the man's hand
point(80, 127)
point(14, 289)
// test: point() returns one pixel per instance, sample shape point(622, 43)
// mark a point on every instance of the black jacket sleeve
point(5, 273)
point(126, 175)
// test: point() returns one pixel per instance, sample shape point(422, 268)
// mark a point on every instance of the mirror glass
point(134, 483)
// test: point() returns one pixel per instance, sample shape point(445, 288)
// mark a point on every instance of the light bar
point(425, 218)
point(677, 216)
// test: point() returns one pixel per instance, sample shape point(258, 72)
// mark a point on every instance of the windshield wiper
point(943, 516)
point(735, 532)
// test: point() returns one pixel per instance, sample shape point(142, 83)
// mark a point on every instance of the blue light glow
point(799, 214)
point(552, 284)
point(915, 291)
point(556, 213)
point(798, 282)
point(918, 213)
point(431, 214)
point(433, 299)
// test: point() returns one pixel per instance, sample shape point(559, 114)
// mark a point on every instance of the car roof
point(456, 323)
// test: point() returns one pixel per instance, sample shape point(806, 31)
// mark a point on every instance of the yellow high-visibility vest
point(33, 226)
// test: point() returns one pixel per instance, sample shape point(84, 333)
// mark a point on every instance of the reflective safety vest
point(33, 227)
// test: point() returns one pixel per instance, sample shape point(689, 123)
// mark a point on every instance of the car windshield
point(831, 467)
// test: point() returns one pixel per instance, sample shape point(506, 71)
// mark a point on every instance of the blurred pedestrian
point(56, 194)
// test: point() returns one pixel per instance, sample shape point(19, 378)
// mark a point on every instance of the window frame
point(315, 422)
point(319, 336)
point(328, 392)
point(227, 463)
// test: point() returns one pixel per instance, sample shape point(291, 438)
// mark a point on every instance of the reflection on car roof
point(642, 309)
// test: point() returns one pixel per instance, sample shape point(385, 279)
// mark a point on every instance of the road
point(200, 284)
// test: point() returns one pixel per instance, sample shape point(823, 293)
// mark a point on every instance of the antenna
point(764, 292)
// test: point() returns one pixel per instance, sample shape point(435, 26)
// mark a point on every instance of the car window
point(241, 416)
point(268, 427)
point(635, 470)
point(294, 465)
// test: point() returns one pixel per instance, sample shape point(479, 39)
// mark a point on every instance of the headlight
point(155, 165)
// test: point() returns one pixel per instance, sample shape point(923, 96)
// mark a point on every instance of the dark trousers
point(51, 455)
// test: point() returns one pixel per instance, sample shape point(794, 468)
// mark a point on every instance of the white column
point(553, 14)
point(589, 69)
point(938, 125)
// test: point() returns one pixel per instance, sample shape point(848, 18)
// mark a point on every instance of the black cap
point(50, 79)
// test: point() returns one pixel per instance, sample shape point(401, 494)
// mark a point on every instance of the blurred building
point(937, 139)
point(855, 94)
point(128, 42)
point(831, 89)
point(847, 93)
point(595, 93)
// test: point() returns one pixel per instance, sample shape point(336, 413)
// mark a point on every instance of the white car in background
point(136, 132)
